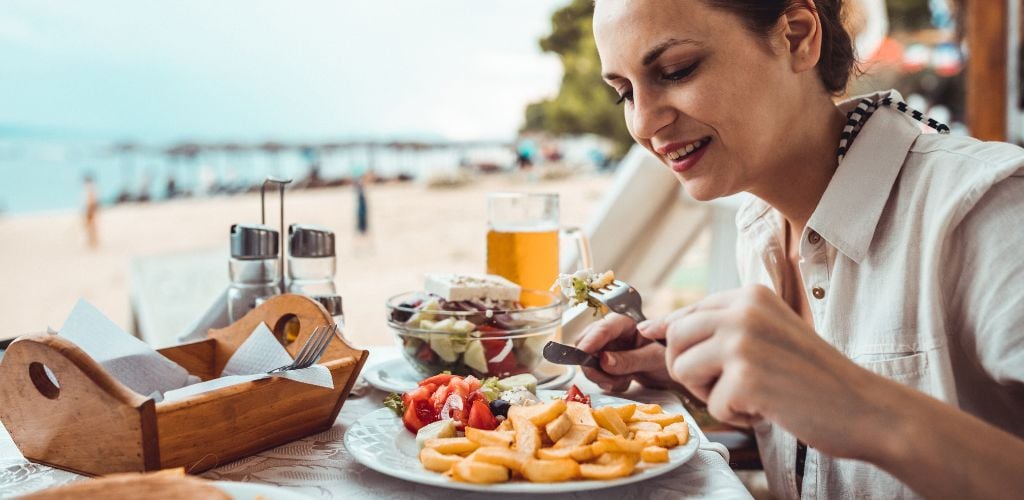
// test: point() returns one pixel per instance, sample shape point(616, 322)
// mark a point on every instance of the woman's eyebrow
point(655, 52)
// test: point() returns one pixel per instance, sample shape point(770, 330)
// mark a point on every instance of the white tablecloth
point(319, 465)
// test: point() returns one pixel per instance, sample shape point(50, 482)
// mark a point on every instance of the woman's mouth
point(685, 157)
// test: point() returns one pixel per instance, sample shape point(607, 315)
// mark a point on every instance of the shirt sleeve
point(986, 274)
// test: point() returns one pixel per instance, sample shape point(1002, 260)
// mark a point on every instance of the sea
point(48, 174)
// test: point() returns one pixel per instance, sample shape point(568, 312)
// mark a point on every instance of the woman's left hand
point(750, 356)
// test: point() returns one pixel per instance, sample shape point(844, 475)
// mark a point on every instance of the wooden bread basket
point(90, 423)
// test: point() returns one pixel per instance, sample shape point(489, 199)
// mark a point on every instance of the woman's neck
point(798, 181)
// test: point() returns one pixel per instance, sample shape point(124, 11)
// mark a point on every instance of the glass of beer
point(522, 239)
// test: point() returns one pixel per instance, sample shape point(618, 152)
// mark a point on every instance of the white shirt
point(913, 265)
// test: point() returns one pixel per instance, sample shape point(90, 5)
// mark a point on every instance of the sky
point(221, 70)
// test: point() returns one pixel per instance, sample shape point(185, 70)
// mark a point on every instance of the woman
point(878, 347)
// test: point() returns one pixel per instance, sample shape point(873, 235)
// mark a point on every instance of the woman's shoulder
point(945, 150)
point(951, 174)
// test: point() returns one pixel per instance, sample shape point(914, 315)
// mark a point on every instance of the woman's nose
point(650, 114)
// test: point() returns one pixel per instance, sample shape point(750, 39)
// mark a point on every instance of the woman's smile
point(683, 156)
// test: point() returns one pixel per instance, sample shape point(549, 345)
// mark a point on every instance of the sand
point(414, 229)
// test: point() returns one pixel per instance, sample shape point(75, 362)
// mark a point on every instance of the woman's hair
point(837, 56)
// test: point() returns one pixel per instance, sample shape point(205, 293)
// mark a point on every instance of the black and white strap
point(856, 119)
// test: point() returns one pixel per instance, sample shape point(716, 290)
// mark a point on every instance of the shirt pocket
point(895, 365)
point(908, 368)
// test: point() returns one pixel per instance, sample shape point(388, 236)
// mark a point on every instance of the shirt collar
point(852, 204)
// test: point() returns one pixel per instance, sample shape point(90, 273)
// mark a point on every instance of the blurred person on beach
point(877, 347)
point(91, 202)
point(526, 150)
point(363, 242)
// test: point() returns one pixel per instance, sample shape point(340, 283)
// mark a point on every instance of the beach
point(414, 229)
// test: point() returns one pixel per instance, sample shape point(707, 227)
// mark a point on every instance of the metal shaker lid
point(310, 240)
point(330, 302)
point(253, 241)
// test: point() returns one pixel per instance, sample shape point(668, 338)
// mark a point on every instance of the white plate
point(395, 375)
point(254, 491)
point(379, 441)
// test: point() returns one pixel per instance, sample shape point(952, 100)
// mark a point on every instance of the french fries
point(559, 441)
point(471, 471)
point(608, 418)
point(551, 471)
point(558, 427)
point(577, 435)
point(437, 461)
point(451, 446)
point(490, 438)
point(654, 454)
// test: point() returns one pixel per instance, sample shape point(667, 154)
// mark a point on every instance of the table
point(319, 466)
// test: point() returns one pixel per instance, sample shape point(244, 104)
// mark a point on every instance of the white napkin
point(260, 353)
point(130, 360)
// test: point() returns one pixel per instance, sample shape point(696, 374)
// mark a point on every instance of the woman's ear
point(802, 31)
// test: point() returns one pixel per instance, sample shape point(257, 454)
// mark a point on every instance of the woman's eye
point(680, 74)
point(625, 96)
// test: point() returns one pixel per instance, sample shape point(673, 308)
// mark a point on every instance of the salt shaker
point(311, 260)
point(253, 267)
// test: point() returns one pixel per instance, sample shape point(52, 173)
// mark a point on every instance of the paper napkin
point(130, 360)
point(260, 353)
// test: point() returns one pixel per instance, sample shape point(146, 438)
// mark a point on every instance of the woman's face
point(712, 100)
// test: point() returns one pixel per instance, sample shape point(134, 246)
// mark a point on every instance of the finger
point(699, 367)
point(607, 382)
point(639, 360)
point(693, 329)
point(655, 329)
point(726, 401)
point(601, 378)
point(597, 335)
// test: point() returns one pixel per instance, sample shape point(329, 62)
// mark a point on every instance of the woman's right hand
point(625, 355)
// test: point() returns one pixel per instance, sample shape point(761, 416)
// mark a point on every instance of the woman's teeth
point(684, 151)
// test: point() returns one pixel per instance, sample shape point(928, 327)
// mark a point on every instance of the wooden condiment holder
point(92, 424)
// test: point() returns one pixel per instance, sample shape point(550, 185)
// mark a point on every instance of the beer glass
point(523, 239)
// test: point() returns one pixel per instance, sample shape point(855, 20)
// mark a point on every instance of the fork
point(312, 350)
point(617, 296)
point(622, 298)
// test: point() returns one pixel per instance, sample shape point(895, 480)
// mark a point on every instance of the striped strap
point(856, 119)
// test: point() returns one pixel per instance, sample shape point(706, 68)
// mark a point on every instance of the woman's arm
point(750, 357)
point(941, 451)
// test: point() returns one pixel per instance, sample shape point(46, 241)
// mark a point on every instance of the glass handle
point(582, 246)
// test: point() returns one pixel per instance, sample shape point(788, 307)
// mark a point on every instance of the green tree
point(584, 104)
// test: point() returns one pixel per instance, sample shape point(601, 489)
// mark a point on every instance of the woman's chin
point(700, 190)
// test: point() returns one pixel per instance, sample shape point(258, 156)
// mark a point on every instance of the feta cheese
point(456, 287)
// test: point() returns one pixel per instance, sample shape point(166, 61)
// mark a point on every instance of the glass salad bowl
point(474, 337)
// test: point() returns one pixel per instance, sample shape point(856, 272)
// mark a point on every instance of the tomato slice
point(575, 394)
point(480, 416)
point(418, 414)
point(439, 379)
point(417, 394)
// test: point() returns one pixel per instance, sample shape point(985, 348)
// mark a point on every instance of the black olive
point(500, 407)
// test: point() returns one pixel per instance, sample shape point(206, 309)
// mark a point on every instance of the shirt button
point(814, 238)
point(818, 292)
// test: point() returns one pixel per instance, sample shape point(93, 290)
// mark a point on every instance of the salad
point(577, 287)
point(471, 329)
point(444, 403)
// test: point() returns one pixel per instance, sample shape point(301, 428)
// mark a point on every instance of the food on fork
point(559, 440)
point(577, 286)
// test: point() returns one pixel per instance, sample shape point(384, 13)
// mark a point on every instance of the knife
point(561, 354)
